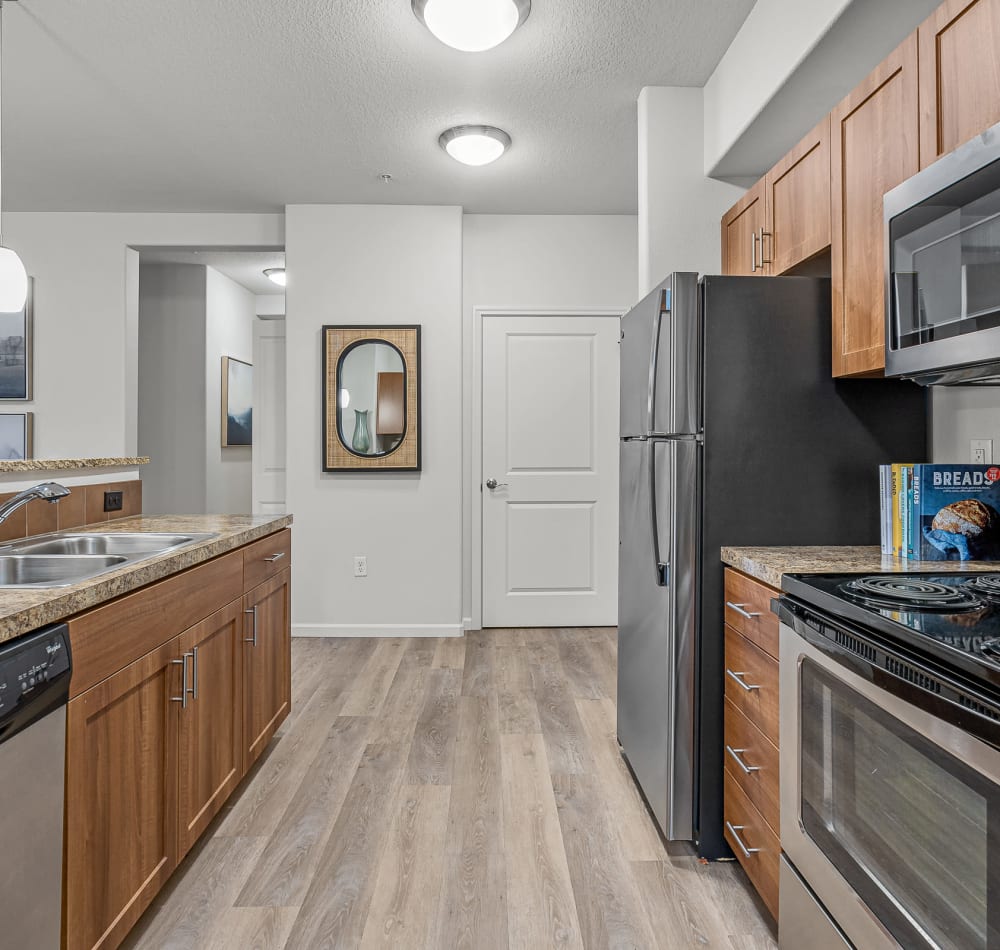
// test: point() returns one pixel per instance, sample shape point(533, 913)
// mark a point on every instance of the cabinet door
point(874, 135)
point(267, 680)
point(209, 741)
point(121, 842)
point(741, 234)
point(959, 75)
point(798, 202)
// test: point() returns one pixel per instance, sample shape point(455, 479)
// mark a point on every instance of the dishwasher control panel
point(30, 663)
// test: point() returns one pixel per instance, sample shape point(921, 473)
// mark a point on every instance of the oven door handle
point(891, 668)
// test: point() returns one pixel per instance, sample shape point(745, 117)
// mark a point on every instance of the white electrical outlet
point(982, 451)
point(360, 565)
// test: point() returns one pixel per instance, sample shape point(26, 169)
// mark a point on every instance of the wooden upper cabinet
point(742, 227)
point(874, 134)
point(209, 743)
point(798, 203)
point(959, 75)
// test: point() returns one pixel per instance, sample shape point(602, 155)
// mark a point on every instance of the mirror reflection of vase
point(362, 440)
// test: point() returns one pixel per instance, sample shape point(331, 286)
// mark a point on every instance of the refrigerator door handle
point(662, 568)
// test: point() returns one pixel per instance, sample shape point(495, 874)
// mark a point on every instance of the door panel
point(550, 436)
point(269, 417)
point(676, 373)
point(636, 355)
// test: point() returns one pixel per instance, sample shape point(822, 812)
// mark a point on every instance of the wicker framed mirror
point(371, 398)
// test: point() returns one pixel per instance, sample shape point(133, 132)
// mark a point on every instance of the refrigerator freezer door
point(636, 350)
point(676, 375)
point(655, 631)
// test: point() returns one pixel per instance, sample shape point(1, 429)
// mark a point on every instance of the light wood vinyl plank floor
point(459, 794)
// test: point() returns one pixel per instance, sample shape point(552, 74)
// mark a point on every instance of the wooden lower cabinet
point(751, 800)
point(267, 668)
point(121, 800)
point(155, 749)
point(210, 734)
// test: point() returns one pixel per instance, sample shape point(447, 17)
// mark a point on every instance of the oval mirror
point(371, 403)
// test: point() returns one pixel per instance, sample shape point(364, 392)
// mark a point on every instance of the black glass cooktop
point(953, 617)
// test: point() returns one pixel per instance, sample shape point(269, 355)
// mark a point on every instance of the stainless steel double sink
point(60, 560)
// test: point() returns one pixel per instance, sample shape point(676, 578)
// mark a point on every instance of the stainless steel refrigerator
point(732, 432)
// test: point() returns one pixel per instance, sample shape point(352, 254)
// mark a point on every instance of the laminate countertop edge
point(768, 564)
point(25, 609)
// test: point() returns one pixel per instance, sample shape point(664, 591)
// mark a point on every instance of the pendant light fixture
point(474, 144)
point(13, 277)
point(472, 26)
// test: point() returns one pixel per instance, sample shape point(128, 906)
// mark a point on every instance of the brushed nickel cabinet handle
point(764, 260)
point(194, 672)
point(275, 557)
point(737, 678)
point(736, 754)
point(253, 612)
point(734, 830)
point(753, 252)
point(740, 609)
point(183, 698)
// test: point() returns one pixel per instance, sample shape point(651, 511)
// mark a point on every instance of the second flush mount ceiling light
point(472, 25)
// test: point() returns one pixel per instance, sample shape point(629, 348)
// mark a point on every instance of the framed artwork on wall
point(16, 351)
point(16, 435)
point(371, 398)
point(237, 402)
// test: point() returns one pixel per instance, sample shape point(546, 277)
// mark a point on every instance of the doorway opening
point(211, 380)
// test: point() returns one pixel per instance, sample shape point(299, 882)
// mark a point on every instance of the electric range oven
point(890, 761)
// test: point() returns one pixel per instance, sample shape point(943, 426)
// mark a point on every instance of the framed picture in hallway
point(237, 402)
point(371, 398)
point(15, 351)
point(16, 436)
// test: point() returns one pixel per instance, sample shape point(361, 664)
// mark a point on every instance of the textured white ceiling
point(244, 267)
point(249, 105)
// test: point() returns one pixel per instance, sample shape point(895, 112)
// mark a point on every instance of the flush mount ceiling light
point(13, 277)
point(474, 144)
point(277, 274)
point(472, 25)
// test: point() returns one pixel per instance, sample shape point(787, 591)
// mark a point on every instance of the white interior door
point(269, 417)
point(550, 443)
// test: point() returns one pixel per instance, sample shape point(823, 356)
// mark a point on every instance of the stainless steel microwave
point(942, 269)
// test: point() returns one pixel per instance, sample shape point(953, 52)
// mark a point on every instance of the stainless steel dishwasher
point(34, 687)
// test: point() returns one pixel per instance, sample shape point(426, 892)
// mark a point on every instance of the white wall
point(960, 414)
point(86, 314)
point(679, 208)
point(537, 262)
point(171, 410)
point(230, 312)
point(376, 264)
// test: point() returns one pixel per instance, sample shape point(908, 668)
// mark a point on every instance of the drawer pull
point(253, 613)
point(183, 698)
point(736, 754)
point(275, 557)
point(739, 608)
point(734, 830)
point(737, 678)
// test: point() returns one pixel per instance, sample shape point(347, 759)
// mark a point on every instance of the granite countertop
point(65, 465)
point(26, 609)
point(768, 564)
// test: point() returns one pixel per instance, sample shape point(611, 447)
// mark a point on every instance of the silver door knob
point(492, 484)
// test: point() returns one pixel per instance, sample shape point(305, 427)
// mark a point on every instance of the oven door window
point(909, 826)
point(946, 262)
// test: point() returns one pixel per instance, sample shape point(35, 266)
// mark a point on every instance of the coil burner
point(986, 586)
point(900, 592)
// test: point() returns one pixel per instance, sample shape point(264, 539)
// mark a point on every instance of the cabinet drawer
point(762, 864)
point(265, 558)
point(752, 683)
point(745, 594)
point(109, 638)
point(746, 743)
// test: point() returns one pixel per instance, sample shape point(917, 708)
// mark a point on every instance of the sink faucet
point(46, 491)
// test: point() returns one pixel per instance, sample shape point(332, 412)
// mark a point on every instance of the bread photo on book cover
point(967, 529)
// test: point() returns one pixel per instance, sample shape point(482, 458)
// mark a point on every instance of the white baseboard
point(467, 624)
point(377, 630)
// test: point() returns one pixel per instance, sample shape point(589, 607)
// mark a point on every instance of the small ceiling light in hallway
point(277, 274)
point(472, 25)
point(474, 144)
